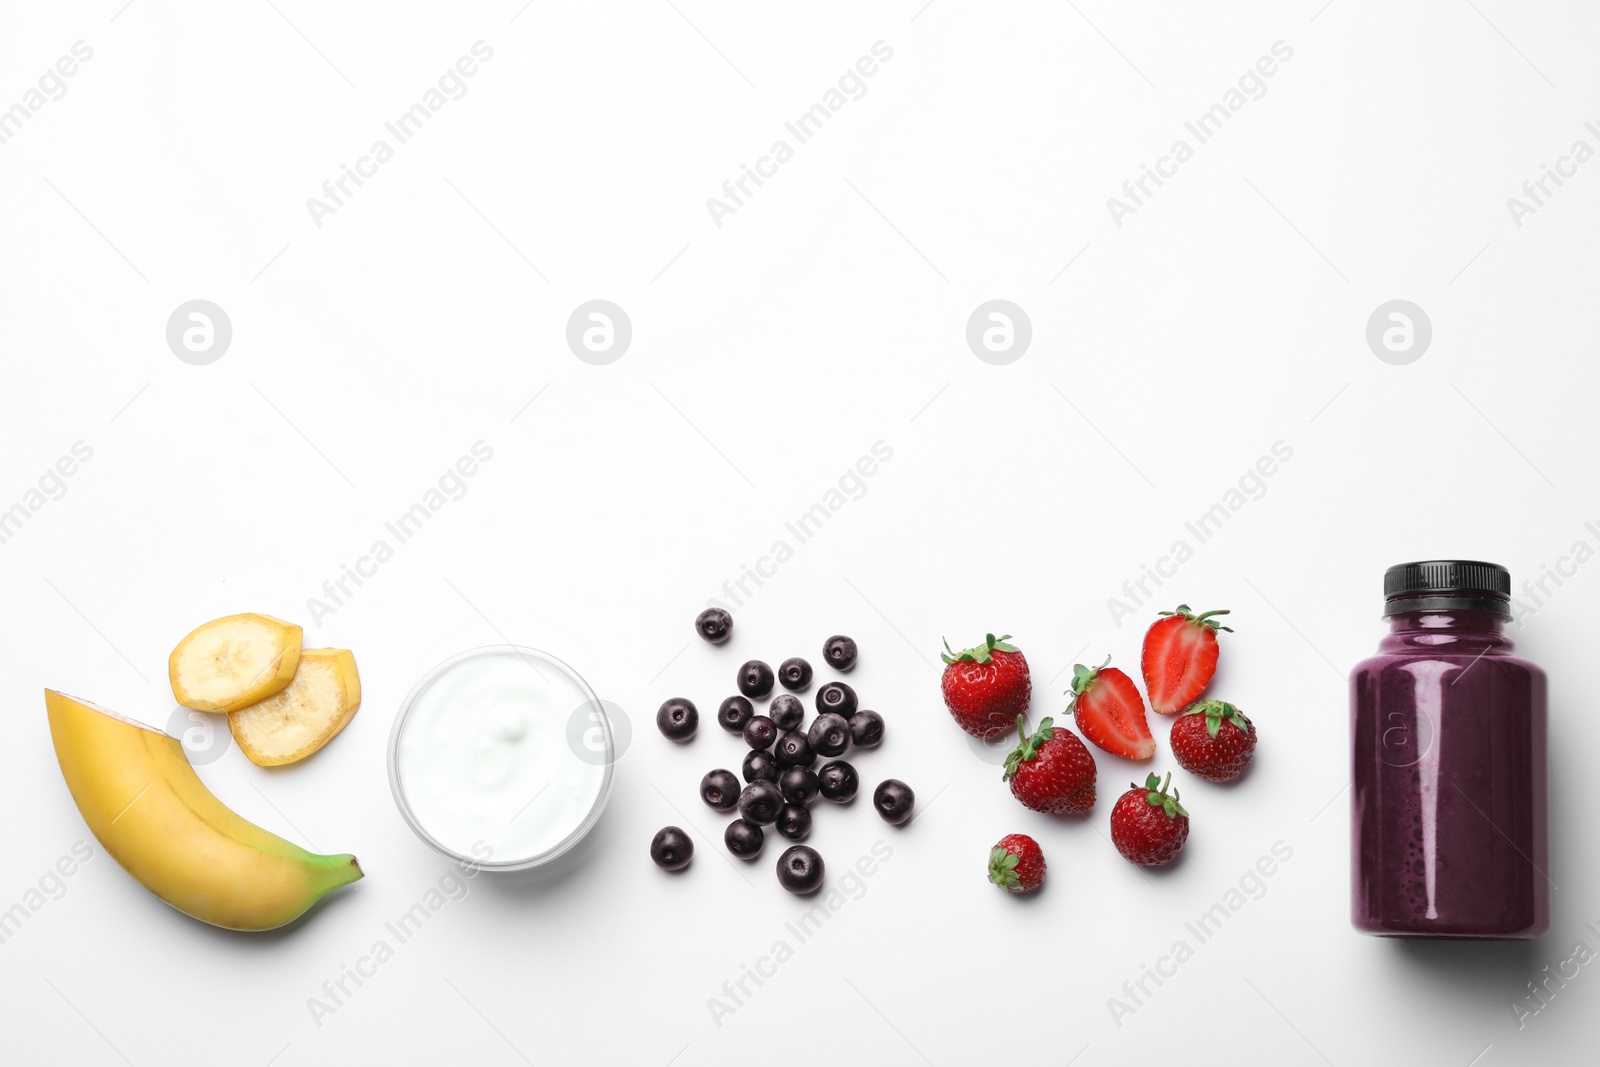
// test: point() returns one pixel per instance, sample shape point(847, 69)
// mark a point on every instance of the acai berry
point(678, 719)
point(755, 679)
point(715, 625)
point(672, 849)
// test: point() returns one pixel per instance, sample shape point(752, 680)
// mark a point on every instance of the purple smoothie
point(1449, 786)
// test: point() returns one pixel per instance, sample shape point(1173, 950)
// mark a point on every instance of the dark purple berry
point(678, 719)
point(839, 781)
point(794, 822)
point(793, 750)
point(894, 801)
point(866, 729)
point(759, 732)
point(760, 802)
point(720, 790)
point(744, 839)
point(734, 713)
point(715, 625)
point(786, 712)
point(755, 679)
point(829, 735)
point(800, 870)
point(672, 849)
point(760, 765)
point(800, 785)
point(795, 675)
point(837, 698)
point(839, 652)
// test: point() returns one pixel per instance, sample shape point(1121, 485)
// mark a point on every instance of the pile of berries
point(988, 688)
point(781, 779)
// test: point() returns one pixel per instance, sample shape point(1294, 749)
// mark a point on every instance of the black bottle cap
point(1447, 584)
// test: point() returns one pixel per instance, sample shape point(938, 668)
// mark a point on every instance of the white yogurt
point(501, 757)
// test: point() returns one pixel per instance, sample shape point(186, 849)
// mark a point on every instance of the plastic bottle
point(1449, 778)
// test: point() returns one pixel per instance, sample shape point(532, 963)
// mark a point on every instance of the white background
point(769, 354)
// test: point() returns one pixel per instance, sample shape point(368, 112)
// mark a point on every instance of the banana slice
point(291, 725)
point(233, 662)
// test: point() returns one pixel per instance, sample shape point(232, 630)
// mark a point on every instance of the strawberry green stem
point(979, 653)
point(1029, 747)
point(1218, 712)
point(1205, 618)
point(1003, 868)
point(1083, 677)
point(1157, 797)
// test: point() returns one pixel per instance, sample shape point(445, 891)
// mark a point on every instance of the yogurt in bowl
point(501, 758)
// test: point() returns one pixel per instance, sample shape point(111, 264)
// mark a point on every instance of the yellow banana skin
point(150, 811)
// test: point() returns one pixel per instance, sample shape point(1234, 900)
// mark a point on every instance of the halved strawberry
point(1109, 711)
point(1180, 656)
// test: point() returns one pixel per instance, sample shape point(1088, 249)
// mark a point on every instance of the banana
point(293, 724)
point(151, 812)
point(233, 662)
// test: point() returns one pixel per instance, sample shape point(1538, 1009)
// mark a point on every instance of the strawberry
point(1147, 825)
point(1180, 656)
point(1016, 864)
point(1214, 740)
point(1051, 771)
point(1110, 712)
point(986, 687)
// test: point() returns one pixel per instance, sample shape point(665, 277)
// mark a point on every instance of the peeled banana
point(151, 812)
point(233, 662)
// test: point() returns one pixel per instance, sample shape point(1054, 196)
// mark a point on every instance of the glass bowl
point(446, 742)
